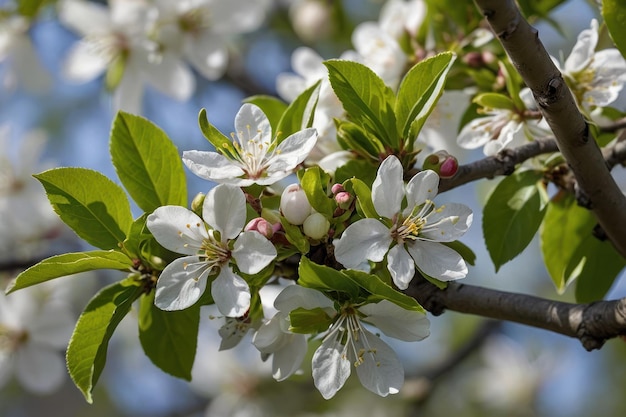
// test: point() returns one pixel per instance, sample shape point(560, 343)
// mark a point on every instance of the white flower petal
point(128, 95)
point(401, 266)
point(331, 368)
point(236, 16)
point(295, 296)
point(171, 77)
point(224, 209)
point(53, 327)
point(366, 239)
point(396, 322)
point(177, 229)
point(452, 219)
point(84, 62)
point(208, 54)
point(293, 150)
point(381, 371)
point(437, 260)
point(477, 132)
point(181, 283)
point(388, 188)
point(288, 359)
point(231, 293)
point(85, 17)
point(270, 337)
point(39, 369)
point(582, 53)
point(232, 332)
point(252, 128)
point(253, 252)
point(212, 166)
point(423, 186)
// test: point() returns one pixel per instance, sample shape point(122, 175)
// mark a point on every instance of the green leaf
point(366, 98)
point(313, 182)
point(565, 227)
point(272, 107)
point(68, 264)
point(295, 237)
point(147, 163)
point(299, 114)
point(219, 141)
point(91, 204)
point(325, 278)
point(30, 8)
point(356, 168)
point(494, 101)
point(419, 92)
point(353, 138)
point(600, 264)
point(169, 338)
point(364, 198)
point(86, 353)
point(379, 290)
point(614, 14)
point(309, 321)
point(513, 214)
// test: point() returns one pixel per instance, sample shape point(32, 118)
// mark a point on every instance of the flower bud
point(259, 224)
point(344, 200)
point(196, 204)
point(316, 226)
point(442, 163)
point(336, 189)
point(294, 205)
point(312, 19)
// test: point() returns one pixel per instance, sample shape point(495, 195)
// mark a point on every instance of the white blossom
point(34, 330)
point(414, 233)
point(255, 157)
point(27, 217)
point(198, 30)
point(595, 77)
point(209, 250)
point(115, 40)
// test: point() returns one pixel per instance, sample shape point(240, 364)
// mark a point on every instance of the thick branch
point(592, 323)
point(557, 105)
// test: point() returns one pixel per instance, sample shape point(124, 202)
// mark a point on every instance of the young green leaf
point(299, 114)
point(309, 321)
point(272, 107)
point(419, 92)
point(220, 141)
point(379, 290)
point(86, 353)
point(366, 98)
point(494, 101)
point(364, 198)
point(147, 163)
point(91, 204)
point(295, 237)
point(325, 278)
point(169, 338)
point(513, 214)
point(313, 182)
point(68, 264)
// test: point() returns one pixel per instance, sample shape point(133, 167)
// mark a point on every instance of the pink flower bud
point(449, 167)
point(344, 200)
point(336, 189)
point(294, 205)
point(259, 224)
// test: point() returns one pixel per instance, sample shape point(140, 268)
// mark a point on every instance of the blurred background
point(467, 367)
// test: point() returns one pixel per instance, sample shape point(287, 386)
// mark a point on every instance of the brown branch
point(592, 323)
point(503, 163)
point(558, 107)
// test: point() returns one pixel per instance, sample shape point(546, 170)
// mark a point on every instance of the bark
point(592, 323)
point(558, 106)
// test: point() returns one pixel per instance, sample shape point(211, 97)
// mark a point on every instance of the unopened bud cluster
point(295, 207)
point(442, 163)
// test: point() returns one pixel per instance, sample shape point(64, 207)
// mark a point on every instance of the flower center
point(253, 152)
point(195, 20)
point(349, 332)
point(11, 339)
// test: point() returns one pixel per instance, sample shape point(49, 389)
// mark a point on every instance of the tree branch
point(557, 105)
point(503, 163)
point(592, 323)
